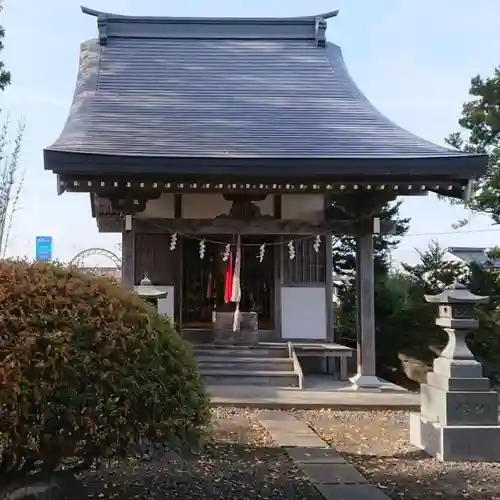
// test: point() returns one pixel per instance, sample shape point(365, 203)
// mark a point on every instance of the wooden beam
point(227, 225)
point(150, 188)
point(114, 224)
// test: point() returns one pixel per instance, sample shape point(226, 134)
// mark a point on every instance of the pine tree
point(434, 271)
point(480, 122)
point(4, 74)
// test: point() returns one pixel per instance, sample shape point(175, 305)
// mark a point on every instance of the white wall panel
point(303, 312)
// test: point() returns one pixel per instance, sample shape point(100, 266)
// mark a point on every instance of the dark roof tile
point(198, 96)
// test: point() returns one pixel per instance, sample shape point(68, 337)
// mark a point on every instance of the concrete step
point(241, 351)
point(250, 364)
point(255, 378)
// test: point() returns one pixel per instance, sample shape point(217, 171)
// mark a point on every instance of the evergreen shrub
point(88, 371)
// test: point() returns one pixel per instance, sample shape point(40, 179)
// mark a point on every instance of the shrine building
point(207, 140)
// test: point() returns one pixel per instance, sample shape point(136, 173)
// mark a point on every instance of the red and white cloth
point(228, 279)
point(236, 286)
point(232, 282)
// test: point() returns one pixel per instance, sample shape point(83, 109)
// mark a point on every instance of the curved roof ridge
point(211, 20)
point(211, 28)
point(337, 61)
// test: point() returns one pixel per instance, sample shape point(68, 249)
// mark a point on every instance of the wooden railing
point(296, 365)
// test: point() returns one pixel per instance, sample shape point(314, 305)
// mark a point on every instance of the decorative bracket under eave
point(468, 193)
point(320, 32)
point(61, 185)
point(102, 26)
point(128, 222)
point(320, 27)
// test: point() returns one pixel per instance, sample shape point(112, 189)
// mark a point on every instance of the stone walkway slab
point(332, 476)
point(288, 431)
point(315, 456)
point(289, 398)
point(280, 417)
point(332, 473)
point(351, 492)
point(297, 440)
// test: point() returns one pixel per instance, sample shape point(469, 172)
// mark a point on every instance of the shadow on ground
point(416, 476)
point(220, 471)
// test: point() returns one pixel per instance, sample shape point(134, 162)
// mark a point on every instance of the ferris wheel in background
point(80, 257)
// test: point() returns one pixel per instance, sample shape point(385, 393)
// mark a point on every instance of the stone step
point(255, 378)
point(241, 351)
point(250, 364)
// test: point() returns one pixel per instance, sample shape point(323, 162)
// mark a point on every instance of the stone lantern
point(458, 419)
point(149, 292)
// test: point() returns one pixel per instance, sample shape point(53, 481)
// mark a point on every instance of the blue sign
point(44, 248)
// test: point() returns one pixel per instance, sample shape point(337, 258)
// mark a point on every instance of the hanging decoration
point(203, 248)
point(228, 278)
point(173, 241)
point(236, 288)
point(317, 243)
point(262, 251)
point(227, 251)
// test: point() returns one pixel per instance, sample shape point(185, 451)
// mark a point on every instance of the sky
point(413, 60)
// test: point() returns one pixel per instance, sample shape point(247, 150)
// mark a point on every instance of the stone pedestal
point(455, 443)
point(246, 334)
point(459, 413)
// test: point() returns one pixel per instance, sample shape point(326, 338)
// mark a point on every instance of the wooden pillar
point(365, 314)
point(329, 287)
point(278, 281)
point(128, 256)
point(358, 308)
point(366, 304)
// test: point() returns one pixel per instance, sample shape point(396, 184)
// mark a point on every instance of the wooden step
point(241, 351)
point(255, 378)
point(251, 364)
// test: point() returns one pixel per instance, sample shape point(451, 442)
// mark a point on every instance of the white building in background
point(468, 255)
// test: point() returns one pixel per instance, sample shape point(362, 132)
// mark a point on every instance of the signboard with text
point(43, 249)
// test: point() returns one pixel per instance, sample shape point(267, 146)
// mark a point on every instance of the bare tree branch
point(11, 182)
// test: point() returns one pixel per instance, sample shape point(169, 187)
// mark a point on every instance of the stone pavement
point(326, 469)
point(338, 396)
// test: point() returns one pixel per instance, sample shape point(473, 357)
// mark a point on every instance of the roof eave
point(207, 20)
point(466, 166)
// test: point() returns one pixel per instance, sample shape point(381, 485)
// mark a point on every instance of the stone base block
point(459, 408)
point(366, 382)
point(455, 444)
point(457, 384)
point(246, 334)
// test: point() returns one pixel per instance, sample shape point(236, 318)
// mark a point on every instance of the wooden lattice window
point(308, 266)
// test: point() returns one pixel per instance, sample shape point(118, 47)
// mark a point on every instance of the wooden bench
point(326, 351)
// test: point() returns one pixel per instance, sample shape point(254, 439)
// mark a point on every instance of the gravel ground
point(377, 443)
point(239, 461)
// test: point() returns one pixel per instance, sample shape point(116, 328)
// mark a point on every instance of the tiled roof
point(226, 88)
